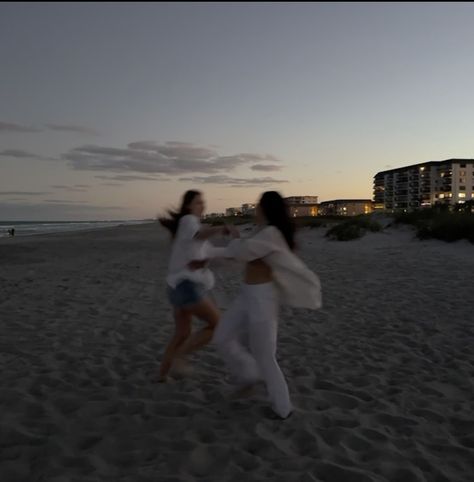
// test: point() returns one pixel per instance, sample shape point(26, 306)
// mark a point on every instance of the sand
point(382, 377)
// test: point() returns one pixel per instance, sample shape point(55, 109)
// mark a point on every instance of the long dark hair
point(171, 222)
point(276, 213)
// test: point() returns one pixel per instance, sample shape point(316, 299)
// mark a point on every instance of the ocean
point(28, 228)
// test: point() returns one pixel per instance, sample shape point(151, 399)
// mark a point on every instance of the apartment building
point(233, 212)
point(424, 185)
point(302, 200)
point(248, 209)
point(302, 205)
point(346, 207)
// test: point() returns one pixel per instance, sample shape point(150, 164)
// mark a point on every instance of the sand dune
point(382, 377)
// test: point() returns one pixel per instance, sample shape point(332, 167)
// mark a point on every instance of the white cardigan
point(298, 286)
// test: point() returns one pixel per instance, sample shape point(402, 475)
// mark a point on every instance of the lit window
point(462, 194)
point(441, 196)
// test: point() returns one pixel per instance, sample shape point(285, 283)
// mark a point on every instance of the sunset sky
point(112, 111)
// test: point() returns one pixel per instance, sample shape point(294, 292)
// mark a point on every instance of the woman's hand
point(197, 264)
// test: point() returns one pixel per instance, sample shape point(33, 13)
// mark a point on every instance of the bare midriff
point(257, 272)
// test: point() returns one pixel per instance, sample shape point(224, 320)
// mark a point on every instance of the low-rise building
point(299, 210)
point(345, 207)
point(233, 212)
point(248, 209)
point(302, 200)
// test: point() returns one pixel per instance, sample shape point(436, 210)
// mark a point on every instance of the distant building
point(424, 185)
point(346, 207)
point(302, 205)
point(214, 215)
point(298, 210)
point(302, 200)
point(248, 209)
point(233, 212)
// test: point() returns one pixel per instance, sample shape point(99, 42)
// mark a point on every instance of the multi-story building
point(298, 210)
point(302, 205)
point(248, 209)
point(346, 207)
point(424, 185)
point(233, 212)
point(302, 200)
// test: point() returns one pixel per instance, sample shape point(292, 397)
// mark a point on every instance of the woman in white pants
point(273, 275)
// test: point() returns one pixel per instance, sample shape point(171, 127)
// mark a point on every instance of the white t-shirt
point(185, 249)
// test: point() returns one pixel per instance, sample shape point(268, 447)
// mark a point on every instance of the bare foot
point(157, 378)
point(180, 368)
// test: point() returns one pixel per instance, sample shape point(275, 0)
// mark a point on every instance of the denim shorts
point(186, 293)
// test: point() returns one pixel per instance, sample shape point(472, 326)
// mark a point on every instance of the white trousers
point(254, 315)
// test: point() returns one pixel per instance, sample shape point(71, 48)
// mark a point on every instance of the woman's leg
point(232, 325)
point(182, 319)
point(263, 328)
point(208, 312)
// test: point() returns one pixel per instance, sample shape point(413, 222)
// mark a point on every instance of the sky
point(113, 110)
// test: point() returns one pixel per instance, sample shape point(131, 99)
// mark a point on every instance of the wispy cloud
point(265, 167)
point(17, 153)
point(23, 193)
point(20, 154)
point(124, 177)
point(172, 158)
point(13, 127)
point(73, 128)
point(69, 188)
point(64, 201)
point(234, 181)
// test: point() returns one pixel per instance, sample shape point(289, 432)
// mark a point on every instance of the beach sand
point(382, 377)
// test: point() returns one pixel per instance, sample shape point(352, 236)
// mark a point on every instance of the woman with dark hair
point(273, 275)
point(188, 289)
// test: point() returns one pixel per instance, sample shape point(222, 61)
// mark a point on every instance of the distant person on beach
point(273, 275)
point(11, 232)
point(188, 290)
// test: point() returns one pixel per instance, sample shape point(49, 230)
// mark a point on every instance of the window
point(462, 188)
point(462, 165)
point(462, 194)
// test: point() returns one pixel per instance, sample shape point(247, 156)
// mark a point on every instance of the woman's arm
point(210, 231)
point(245, 250)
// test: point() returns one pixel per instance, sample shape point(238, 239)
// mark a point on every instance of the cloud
point(12, 127)
point(233, 181)
point(171, 158)
point(124, 177)
point(69, 188)
point(265, 167)
point(64, 201)
point(20, 154)
point(16, 153)
point(73, 128)
point(23, 193)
